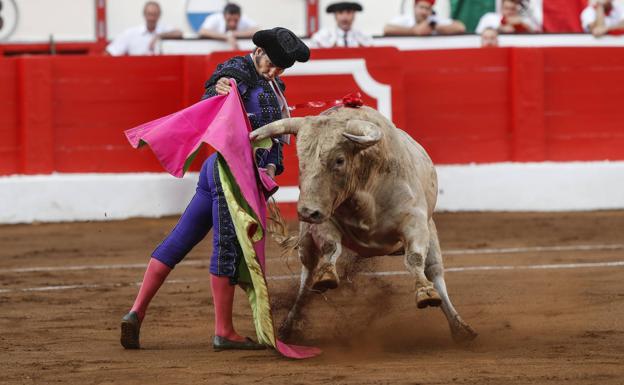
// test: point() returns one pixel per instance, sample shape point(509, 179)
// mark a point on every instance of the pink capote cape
point(221, 122)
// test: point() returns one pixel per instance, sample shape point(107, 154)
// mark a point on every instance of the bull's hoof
point(462, 332)
point(324, 285)
point(325, 278)
point(427, 296)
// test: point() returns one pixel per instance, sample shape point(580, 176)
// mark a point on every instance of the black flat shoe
point(130, 328)
point(221, 343)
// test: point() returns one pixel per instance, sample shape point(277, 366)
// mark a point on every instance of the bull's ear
point(362, 133)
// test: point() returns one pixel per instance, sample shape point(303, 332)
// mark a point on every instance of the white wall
point(68, 20)
point(276, 13)
point(489, 187)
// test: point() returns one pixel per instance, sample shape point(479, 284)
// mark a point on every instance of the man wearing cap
point(258, 82)
point(343, 34)
point(423, 22)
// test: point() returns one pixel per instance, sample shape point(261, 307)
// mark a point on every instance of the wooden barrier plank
point(35, 112)
point(457, 104)
point(9, 130)
point(67, 114)
point(527, 104)
point(97, 99)
point(583, 103)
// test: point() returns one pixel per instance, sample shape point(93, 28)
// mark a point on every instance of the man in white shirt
point(343, 34)
point(142, 39)
point(602, 17)
point(510, 20)
point(228, 26)
point(423, 22)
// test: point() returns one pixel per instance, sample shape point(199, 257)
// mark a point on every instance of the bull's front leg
point(328, 240)
point(416, 237)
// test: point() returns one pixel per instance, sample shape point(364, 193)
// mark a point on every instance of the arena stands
point(26, 29)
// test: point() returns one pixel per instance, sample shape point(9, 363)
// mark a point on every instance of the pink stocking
point(223, 298)
point(154, 277)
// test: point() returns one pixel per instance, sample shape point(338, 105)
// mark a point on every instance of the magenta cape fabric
point(222, 123)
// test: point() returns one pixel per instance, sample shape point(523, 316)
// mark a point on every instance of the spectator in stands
point(602, 17)
point(228, 26)
point(423, 22)
point(510, 20)
point(143, 39)
point(489, 38)
point(343, 34)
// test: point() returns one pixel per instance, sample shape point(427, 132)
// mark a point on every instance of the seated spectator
point(142, 39)
point(602, 17)
point(423, 22)
point(489, 38)
point(228, 26)
point(343, 34)
point(510, 20)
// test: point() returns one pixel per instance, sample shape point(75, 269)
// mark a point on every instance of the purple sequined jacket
point(260, 101)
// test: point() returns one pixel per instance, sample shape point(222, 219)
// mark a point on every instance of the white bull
point(369, 188)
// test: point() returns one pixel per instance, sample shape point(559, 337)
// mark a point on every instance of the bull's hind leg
point(416, 239)
point(309, 256)
point(328, 240)
point(434, 270)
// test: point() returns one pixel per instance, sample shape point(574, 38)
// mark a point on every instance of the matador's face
point(264, 66)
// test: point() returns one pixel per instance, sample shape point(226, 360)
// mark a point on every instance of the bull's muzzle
point(311, 215)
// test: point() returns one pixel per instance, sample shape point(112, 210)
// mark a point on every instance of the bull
point(368, 188)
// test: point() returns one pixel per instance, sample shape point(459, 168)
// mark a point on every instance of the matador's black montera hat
point(283, 47)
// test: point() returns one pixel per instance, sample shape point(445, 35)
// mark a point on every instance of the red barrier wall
point(9, 109)
point(67, 114)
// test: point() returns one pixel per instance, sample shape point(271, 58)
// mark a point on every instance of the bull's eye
point(340, 161)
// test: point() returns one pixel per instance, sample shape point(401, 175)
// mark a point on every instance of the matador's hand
point(223, 86)
point(270, 170)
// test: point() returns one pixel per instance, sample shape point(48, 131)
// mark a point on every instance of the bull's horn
point(363, 133)
point(277, 128)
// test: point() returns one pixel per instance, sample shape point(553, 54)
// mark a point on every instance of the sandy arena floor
point(544, 291)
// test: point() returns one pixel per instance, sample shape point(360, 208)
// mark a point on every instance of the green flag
point(470, 11)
